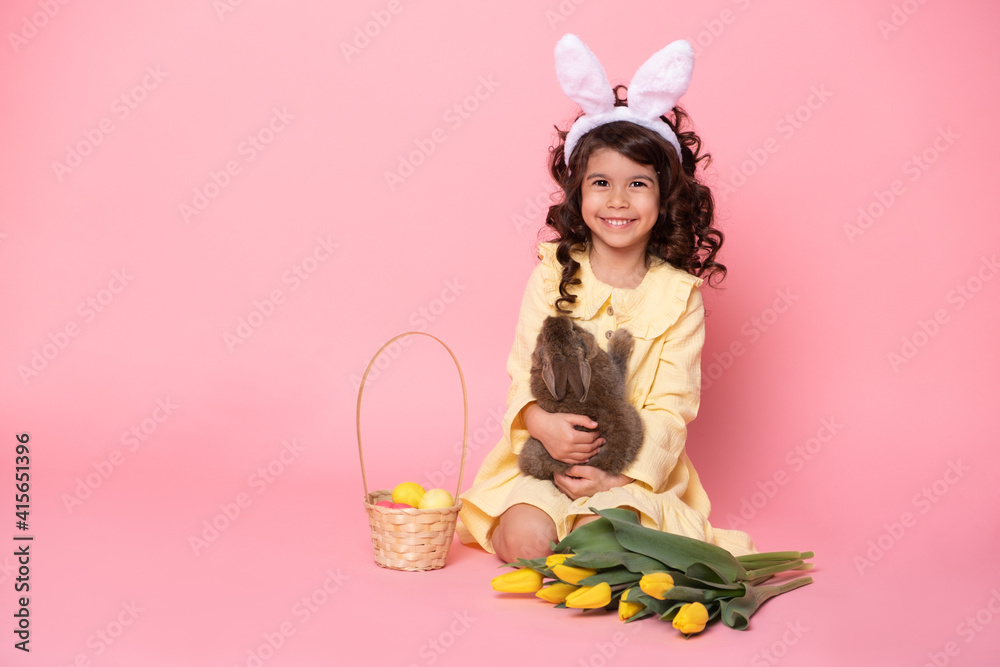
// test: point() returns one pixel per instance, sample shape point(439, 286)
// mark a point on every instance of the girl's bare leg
point(524, 531)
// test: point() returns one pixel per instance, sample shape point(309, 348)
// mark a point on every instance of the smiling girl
point(633, 243)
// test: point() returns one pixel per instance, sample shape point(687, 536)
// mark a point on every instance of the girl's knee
point(524, 531)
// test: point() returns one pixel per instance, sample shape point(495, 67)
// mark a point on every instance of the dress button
point(611, 311)
point(607, 334)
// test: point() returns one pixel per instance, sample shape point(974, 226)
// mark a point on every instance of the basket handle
point(465, 404)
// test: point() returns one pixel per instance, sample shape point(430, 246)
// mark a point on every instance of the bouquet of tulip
point(613, 562)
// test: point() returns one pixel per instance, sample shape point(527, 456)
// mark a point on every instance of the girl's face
point(620, 202)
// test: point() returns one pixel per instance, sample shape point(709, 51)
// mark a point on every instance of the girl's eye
point(642, 183)
point(600, 183)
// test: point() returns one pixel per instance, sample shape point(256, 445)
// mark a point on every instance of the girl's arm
point(524, 418)
point(673, 399)
point(556, 432)
point(585, 481)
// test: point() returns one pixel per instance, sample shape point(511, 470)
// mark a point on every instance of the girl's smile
point(620, 203)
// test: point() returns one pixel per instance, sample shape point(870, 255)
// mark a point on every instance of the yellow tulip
point(570, 574)
point(556, 559)
point(590, 597)
point(626, 609)
point(691, 618)
point(556, 593)
point(656, 584)
point(523, 580)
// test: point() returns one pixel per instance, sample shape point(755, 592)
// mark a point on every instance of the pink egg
point(401, 506)
point(385, 503)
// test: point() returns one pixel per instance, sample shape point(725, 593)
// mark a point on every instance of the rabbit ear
point(582, 76)
point(579, 377)
point(554, 375)
point(661, 80)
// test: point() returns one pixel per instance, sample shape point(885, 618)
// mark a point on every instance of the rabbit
point(571, 374)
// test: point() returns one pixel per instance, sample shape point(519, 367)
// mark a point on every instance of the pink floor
point(291, 580)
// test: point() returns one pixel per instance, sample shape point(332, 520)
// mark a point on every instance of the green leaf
point(645, 613)
point(736, 612)
point(536, 564)
point(708, 576)
point(598, 535)
point(614, 576)
point(658, 606)
point(634, 562)
point(671, 611)
point(677, 551)
point(702, 595)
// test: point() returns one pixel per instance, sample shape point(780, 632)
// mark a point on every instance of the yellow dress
point(666, 317)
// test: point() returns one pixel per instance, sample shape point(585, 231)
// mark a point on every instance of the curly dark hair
point(683, 236)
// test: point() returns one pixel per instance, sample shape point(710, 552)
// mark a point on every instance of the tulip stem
point(795, 583)
point(772, 555)
point(774, 569)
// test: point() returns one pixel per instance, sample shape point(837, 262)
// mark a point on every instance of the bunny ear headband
point(654, 90)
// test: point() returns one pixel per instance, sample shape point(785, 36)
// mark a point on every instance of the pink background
point(812, 435)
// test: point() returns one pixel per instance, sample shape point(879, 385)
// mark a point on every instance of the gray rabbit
point(571, 374)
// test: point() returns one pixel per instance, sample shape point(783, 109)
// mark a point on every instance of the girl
point(633, 242)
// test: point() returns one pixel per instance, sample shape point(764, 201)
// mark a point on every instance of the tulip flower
point(590, 597)
point(626, 609)
point(691, 618)
point(556, 559)
point(556, 593)
point(523, 580)
point(656, 584)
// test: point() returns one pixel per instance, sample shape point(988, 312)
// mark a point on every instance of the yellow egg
point(435, 499)
point(409, 493)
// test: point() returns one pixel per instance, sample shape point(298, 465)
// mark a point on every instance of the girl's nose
point(617, 198)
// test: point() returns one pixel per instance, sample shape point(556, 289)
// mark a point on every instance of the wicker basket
point(408, 538)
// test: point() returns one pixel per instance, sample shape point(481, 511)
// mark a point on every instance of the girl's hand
point(556, 432)
point(585, 481)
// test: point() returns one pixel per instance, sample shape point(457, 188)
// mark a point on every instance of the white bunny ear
point(661, 80)
point(582, 76)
